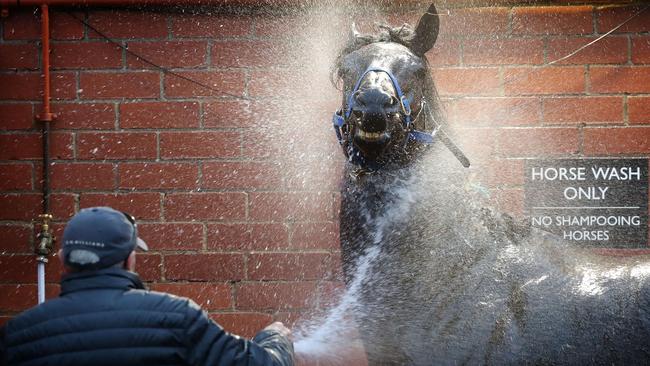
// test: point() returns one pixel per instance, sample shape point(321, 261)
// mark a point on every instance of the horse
point(440, 277)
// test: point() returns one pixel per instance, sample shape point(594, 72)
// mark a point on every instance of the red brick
point(475, 21)
point(620, 79)
point(503, 51)
point(268, 144)
point(169, 54)
point(164, 236)
point(641, 50)
point(24, 206)
point(323, 175)
point(551, 80)
point(294, 84)
point(158, 175)
point(116, 145)
point(446, 52)
point(183, 145)
point(210, 26)
point(128, 24)
point(16, 116)
point(82, 176)
point(90, 116)
point(532, 142)
point(508, 172)
point(243, 324)
point(213, 84)
point(142, 205)
point(22, 24)
point(610, 17)
point(61, 145)
point(149, 266)
point(64, 86)
point(330, 293)
point(552, 20)
point(481, 81)
point(473, 112)
point(204, 267)
point(242, 175)
point(612, 141)
point(229, 113)
point(14, 177)
point(21, 86)
point(583, 109)
point(289, 266)
point(18, 56)
point(252, 53)
point(315, 236)
point(86, 55)
point(209, 296)
point(22, 269)
point(247, 236)
point(611, 50)
point(510, 201)
point(16, 238)
point(638, 109)
point(21, 297)
point(280, 26)
point(205, 206)
point(159, 115)
point(299, 206)
point(29, 146)
point(65, 27)
point(102, 85)
point(477, 144)
point(62, 206)
point(275, 296)
point(13, 147)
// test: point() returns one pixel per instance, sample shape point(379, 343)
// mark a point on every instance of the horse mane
point(403, 35)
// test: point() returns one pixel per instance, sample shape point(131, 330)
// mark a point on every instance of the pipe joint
point(45, 238)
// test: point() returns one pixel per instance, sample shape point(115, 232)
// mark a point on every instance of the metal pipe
point(41, 280)
point(45, 238)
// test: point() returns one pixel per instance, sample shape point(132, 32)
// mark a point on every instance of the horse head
point(389, 99)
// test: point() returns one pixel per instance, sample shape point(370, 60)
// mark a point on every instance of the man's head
point(100, 237)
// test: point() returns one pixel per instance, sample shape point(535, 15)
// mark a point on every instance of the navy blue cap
point(99, 237)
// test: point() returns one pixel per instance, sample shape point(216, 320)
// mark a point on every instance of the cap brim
point(140, 244)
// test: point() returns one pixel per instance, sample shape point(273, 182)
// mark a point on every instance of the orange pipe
point(46, 115)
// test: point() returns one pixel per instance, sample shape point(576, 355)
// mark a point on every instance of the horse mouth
point(372, 136)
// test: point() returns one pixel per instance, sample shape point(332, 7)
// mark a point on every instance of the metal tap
point(45, 238)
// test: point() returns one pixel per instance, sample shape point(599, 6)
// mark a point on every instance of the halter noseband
point(341, 117)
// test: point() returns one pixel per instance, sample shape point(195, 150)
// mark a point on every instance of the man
point(104, 315)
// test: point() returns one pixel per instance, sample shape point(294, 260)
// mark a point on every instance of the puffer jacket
point(106, 317)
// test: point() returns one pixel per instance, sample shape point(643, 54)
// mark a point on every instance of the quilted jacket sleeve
point(209, 344)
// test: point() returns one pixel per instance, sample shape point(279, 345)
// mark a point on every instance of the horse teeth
point(369, 135)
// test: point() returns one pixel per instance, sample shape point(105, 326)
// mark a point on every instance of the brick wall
point(235, 186)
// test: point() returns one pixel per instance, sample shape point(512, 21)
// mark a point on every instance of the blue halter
point(340, 117)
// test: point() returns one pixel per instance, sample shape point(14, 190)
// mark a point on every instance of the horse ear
point(354, 33)
point(426, 32)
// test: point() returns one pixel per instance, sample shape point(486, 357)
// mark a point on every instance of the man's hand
point(279, 327)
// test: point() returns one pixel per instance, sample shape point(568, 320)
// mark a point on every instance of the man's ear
point(59, 253)
point(426, 32)
point(129, 264)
